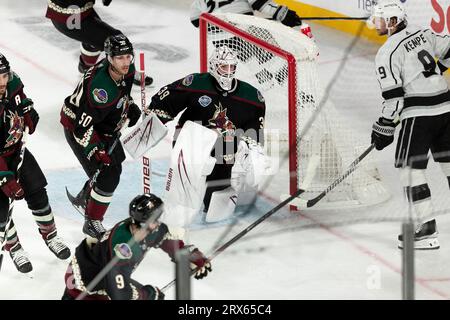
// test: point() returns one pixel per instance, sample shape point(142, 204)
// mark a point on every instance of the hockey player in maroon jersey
point(78, 20)
point(127, 242)
point(92, 117)
point(16, 113)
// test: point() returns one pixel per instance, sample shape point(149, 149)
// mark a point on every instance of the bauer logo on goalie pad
point(204, 101)
point(123, 251)
point(145, 136)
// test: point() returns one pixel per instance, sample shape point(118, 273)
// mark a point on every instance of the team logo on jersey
point(15, 129)
point(123, 251)
point(188, 80)
point(260, 97)
point(100, 95)
point(204, 101)
point(222, 124)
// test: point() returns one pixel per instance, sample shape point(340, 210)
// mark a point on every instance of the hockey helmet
point(4, 65)
point(118, 45)
point(387, 9)
point(146, 209)
point(222, 66)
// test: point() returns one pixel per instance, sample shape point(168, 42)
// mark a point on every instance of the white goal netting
point(290, 85)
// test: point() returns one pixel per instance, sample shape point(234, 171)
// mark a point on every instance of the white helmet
point(222, 66)
point(387, 9)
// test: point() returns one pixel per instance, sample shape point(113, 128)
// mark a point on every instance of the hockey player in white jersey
point(267, 7)
point(416, 94)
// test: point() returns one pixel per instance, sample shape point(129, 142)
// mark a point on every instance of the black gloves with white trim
point(383, 133)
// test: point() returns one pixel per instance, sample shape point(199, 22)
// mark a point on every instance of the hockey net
point(282, 63)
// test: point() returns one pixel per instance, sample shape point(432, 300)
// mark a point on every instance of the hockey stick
point(11, 200)
point(146, 169)
point(309, 203)
point(302, 204)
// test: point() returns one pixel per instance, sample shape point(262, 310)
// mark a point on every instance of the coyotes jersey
point(12, 107)
point(61, 10)
point(410, 80)
point(97, 109)
point(238, 111)
point(267, 7)
point(90, 259)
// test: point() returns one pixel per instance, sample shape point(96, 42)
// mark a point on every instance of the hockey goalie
point(217, 147)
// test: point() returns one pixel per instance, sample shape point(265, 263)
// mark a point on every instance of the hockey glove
point(134, 113)
point(102, 157)
point(106, 2)
point(200, 262)
point(10, 187)
point(383, 133)
point(153, 293)
point(30, 118)
point(290, 18)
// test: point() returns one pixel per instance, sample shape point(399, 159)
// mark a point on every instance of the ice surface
point(284, 257)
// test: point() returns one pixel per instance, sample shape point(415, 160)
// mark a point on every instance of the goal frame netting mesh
point(297, 56)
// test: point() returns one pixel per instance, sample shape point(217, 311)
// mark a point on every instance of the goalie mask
point(385, 10)
point(146, 209)
point(222, 66)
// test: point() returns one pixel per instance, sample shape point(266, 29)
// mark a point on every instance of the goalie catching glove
point(383, 133)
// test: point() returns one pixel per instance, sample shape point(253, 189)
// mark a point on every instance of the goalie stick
point(11, 201)
point(311, 203)
point(303, 204)
point(146, 167)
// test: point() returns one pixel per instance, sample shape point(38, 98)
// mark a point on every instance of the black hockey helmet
point(4, 65)
point(146, 208)
point(118, 45)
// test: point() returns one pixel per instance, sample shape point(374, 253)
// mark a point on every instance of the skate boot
point(20, 259)
point(57, 246)
point(425, 237)
point(93, 228)
point(137, 80)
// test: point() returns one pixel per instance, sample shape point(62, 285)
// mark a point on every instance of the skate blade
point(424, 244)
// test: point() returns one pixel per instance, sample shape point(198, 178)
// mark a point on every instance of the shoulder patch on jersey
point(123, 251)
point(260, 96)
point(204, 101)
point(100, 95)
point(188, 80)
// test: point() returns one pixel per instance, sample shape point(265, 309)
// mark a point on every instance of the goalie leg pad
point(222, 205)
point(191, 162)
